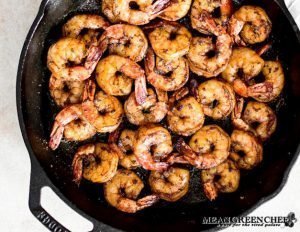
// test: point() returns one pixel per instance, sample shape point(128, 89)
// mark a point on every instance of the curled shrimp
point(103, 111)
point(170, 185)
point(217, 98)
point(244, 64)
point(170, 40)
point(71, 124)
point(207, 148)
point(177, 10)
point(94, 162)
point(208, 59)
point(153, 143)
point(223, 178)
point(126, 40)
point(257, 118)
point(66, 92)
point(203, 20)
point(123, 143)
point(123, 190)
point(175, 78)
point(250, 25)
point(115, 75)
point(247, 151)
point(153, 110)
point(265, 91)
point(138, 12)
point(186, 115)
point(70, 50)
point(74, 26)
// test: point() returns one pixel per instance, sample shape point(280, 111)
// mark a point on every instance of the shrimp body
point(209, 66)
point(243, 60)
point(250, 25)
point(175, 77)
point(73, 50)
point(126, 40)
point(202, 19)
point(177, 10)
point(252, 149)
point(153, 143)
point(186, 116)
point(76, 24)
point(207, 148)
point(104, 112)
point(223, 178)
point(256, 113)
point(138, 12)
point(123, 190)
point(217, 98)
point(153, 110)
point(170, 40)
point(94, 162)
point(71, 124)
point(65, 92)
point(170, 185)
point(115, 75)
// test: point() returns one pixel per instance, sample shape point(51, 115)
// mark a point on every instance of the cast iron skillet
point(52, 169)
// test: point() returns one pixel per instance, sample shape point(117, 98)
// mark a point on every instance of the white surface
point(15, 19)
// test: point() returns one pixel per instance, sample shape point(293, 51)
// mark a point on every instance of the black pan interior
point(38, 111)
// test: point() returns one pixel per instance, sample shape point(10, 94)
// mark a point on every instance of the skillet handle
point(37, 182)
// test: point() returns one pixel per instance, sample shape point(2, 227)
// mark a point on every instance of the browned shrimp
point(95, 162)
point(153, 110)
point(176, 76)
point(223, 178)
point(257, 118)
point(207, 148)
point(247, 151)
point(170, 185)
point(123, 190)
point(153, 143)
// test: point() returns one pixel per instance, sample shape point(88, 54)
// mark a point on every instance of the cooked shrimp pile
point(158, 93)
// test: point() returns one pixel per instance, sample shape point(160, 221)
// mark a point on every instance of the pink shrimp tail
point(147, 201)
point(209, 191)
point(261, 88)
point(159, 6)
point(56, 136)
point(140, 90)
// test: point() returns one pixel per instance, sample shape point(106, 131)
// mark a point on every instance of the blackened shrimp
point(257, 118)
point(71, 124)
point(202, 15)
point(153, 110)
point(70, 50)
point(115, 75)
point(94, 162)
point(126, 40)
point(208, 59)
point(250, 25)
point(170, 40)
point(153, 144)
point(247, 151)
point(138, 12)
point(217, 98)
point(66, 92)
point(185, 115)
point(175, 78)
point(223, 178)
point(207, 148)
point(170, 185)
point(123, 190)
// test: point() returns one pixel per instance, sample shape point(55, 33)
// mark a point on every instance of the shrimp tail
point(77, 164)
point(264, 49)
point(261, 88)
point(140, 90)
point(147, 201)
point(184, 149)
point(194, 88)
point(112, 141)
point(176, 158)
point(159, 6)
point(89, 91)
point(56, 136)
point(210, 191)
